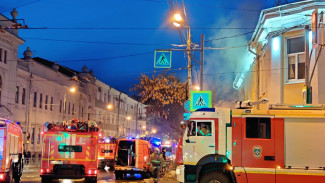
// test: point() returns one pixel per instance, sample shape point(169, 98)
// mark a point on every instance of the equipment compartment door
point(258, 148)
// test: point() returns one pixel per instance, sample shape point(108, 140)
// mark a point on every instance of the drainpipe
point(258, 71)
point(118, 111)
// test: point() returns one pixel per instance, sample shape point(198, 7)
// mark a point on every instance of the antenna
point(280, 2)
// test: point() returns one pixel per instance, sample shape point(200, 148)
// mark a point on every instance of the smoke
point(222, 66)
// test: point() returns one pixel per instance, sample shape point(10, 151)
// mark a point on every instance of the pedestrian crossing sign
point(163, 59)
point(200, 99)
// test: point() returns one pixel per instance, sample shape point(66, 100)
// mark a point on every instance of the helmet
point(157, 149)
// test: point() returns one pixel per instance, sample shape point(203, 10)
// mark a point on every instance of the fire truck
point(132, 158)
point(282, 144)
point(11, 147)
point(69, 151)
point(106, 152)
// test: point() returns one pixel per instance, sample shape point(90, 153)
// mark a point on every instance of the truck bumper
point(180, 173)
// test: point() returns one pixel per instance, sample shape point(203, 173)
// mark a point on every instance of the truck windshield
point(107, 151)
point(70, 148)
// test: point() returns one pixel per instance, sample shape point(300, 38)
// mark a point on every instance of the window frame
point(259, 117)
point(295, 80)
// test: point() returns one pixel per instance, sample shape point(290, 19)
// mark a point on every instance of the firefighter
point(157, 161)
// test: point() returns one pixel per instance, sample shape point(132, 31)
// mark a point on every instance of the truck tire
point(91, 180)
point(214, 177)
point(45, 179)
point(118, 175)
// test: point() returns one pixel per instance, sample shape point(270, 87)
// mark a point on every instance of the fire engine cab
point(69, 151)
point(106, 152)
point(11, 147)
point(282, 144)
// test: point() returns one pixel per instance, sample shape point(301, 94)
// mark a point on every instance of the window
point(82, 111)
point(40, 100)
point(5, 57)
point(35, 99)
point(0, 54)
point(191, 129)
point(60, 105)
point(23, 96)
point(258, 128)
point(46, 100)
point(17, 95)
point(39, 136)
point(51, 107)
point(72, 109)
point(65, 107)
point(296, 58)
point(69, 108)
point(33, 136)
point(203, 129)
point(70, 148)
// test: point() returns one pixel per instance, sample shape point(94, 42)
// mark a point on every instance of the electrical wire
point(26, 4)
point(95, 42)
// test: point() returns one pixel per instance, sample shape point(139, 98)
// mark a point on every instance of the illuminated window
point(296, 58)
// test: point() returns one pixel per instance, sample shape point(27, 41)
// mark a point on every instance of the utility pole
point(308, 87)
point(201, 62)
point(189, 62)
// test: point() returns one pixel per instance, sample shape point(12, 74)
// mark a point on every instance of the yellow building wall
point(293, 93)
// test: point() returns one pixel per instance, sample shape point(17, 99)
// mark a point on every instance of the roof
point(62, 69)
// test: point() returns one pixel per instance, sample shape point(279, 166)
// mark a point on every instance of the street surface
point(31, 175)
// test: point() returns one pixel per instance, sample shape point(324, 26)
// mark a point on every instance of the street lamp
point(196, 87)
point(129, 118)
point(72, 89)
point(154, 131)
point(109, 106)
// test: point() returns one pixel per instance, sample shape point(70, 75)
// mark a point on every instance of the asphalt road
point(31, 175)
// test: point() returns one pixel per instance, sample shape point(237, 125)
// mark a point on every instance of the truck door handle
point(212, 146)
point(188, 141)
point(269, 158)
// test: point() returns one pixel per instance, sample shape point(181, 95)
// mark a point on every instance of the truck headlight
point(178, 171)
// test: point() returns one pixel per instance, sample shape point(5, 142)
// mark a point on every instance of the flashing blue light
point(128, 175)
point(157, 143)
point(137, 175)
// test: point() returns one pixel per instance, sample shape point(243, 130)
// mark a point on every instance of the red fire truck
point(132, 158)
point(69, 151)
point(11, 147)
point(282, 144)
point(106, 152)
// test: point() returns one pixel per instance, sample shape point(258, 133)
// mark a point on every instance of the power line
point(232, 36)
point(26, 4)
point(96, 42)
point(140, 28)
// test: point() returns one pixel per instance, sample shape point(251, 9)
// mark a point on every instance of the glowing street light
point(109, 106)
point(128, 118)
point(72, 89)
point(154, 131)
point(144, 127)
point(196, 87)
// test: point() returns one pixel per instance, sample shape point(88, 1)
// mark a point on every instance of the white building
point(34, 91)
point(276, 59)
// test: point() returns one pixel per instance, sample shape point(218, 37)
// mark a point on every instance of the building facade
point(276, 57)
point(34, 91)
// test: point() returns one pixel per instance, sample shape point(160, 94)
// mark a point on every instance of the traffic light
point(314, 27)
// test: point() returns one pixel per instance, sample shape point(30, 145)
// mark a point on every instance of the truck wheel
point(91, 180)
point(214, 177)
point(44, 180)
point(118, 175)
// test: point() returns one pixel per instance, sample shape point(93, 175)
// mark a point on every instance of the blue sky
point(139, 29)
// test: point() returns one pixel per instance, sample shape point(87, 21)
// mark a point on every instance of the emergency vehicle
point(11, 149)
point(132, 158)
point(69, 151)
point(106, 152)
point(282, 144)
